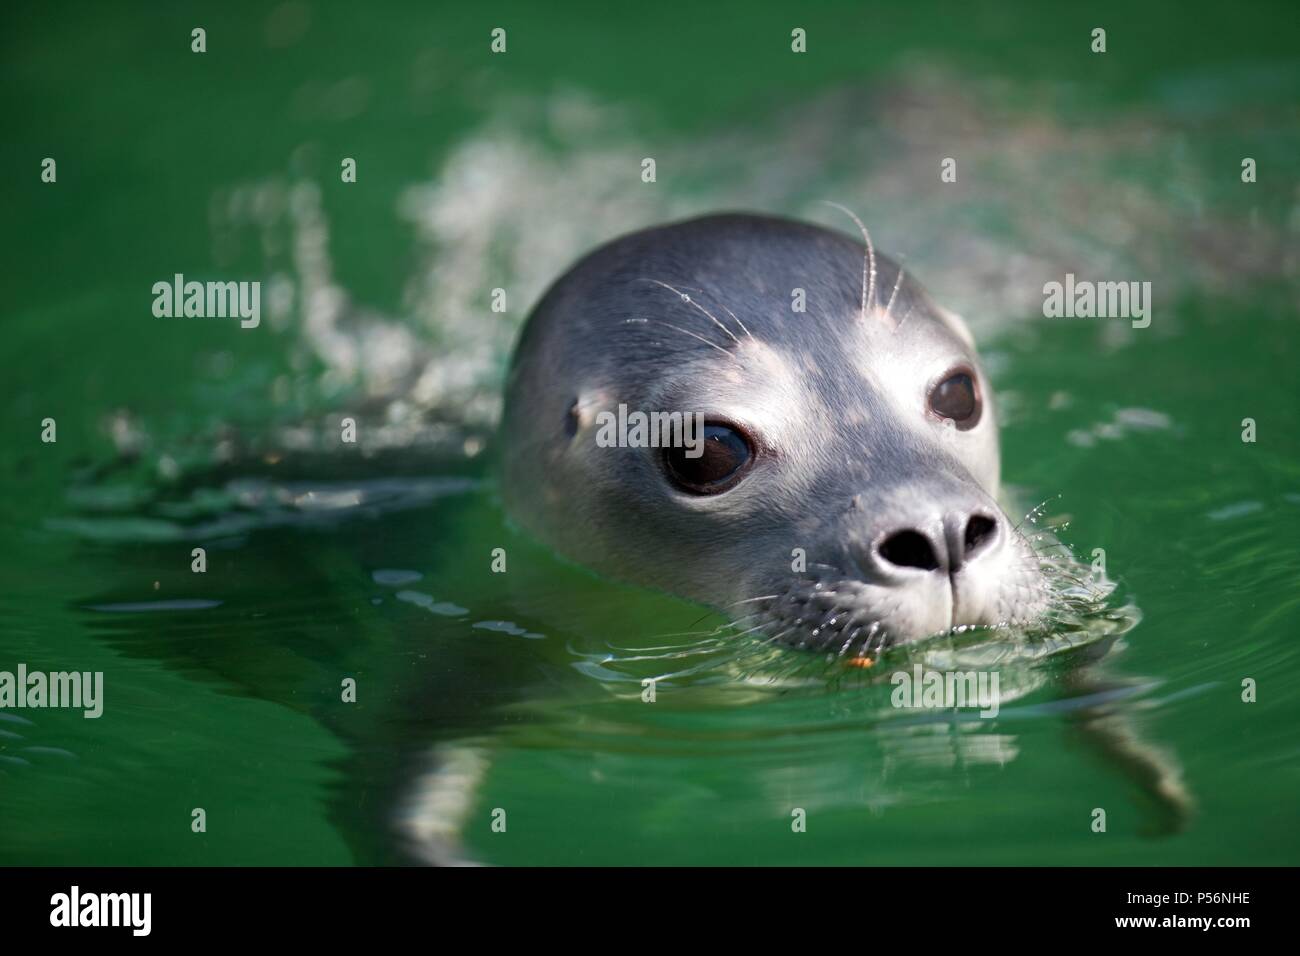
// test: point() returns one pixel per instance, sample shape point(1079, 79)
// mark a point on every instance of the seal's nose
point(958, 539)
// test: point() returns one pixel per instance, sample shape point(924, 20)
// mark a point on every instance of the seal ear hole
point(571, 420)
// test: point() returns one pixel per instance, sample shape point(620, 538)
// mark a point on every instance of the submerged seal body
point(846, 493)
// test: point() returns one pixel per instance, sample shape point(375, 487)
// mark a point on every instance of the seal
point(846, 494)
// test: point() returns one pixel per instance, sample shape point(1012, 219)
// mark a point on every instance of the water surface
point(522, 690)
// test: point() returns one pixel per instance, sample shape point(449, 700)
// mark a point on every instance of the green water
point(477, 172)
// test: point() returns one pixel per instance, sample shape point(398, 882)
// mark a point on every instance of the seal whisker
point(678, 328)
point(776, 638)
point(689, 301)
point(868, 264)
point(720, 629)
point(764, 597)
point(893, 295)
point(737, 320)
point(1059, 544)
point(751, 630)
point(1034, 513)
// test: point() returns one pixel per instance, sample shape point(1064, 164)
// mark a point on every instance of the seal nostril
point(980, 532)
point(909, 549)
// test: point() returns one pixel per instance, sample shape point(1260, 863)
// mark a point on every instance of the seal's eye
point(725, 458)
point(957, 398)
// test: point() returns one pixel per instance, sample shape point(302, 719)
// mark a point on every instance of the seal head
point(844, 495)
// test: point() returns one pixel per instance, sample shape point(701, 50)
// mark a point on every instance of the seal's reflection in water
point(898, 765)
point(441, 703)
point(792, 732)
